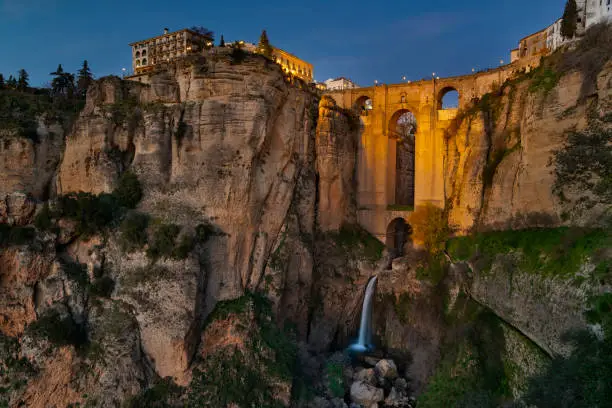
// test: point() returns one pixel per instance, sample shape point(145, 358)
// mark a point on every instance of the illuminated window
point(137, 63)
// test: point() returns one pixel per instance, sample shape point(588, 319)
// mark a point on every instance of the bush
point(354, 239)
point(335, 379)
point(581, 380)
point(13, 235)
point(128, 191)
point(554, 251)
point(430, 227)
point(43, 220)
point(133, 231)
point(92, 213)
point(184, 247)
point(103, 287)
point(163, 243)
point(161, 395)
point(60, 331)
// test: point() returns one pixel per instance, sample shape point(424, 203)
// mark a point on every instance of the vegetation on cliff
point(252, 372)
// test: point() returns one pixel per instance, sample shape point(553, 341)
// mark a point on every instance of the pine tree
point(63, 83)
point(84, 79)
point(264, 47)
point(222, 42)
point(2, 85)
point(11, 83)
point(570, 19)
point(23, 81)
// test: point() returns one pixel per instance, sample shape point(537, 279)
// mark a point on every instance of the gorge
point(199, 241)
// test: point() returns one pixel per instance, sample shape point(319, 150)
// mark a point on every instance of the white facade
point(554, 38)
point(339, 84)
point(598, 11)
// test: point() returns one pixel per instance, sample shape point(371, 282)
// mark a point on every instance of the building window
point(137, 63)
point(144, 61)
point(137, 54)
point(144, 53)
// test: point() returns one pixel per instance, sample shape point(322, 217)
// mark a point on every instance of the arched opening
point(137, 54)
point(363, 105)
point(144, 53)
point(144, 61)
point(137, 63)
point(402, 143)
point(398, 233)
point(448, 98)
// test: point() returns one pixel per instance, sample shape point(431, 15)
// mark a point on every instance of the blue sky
point(363, 40)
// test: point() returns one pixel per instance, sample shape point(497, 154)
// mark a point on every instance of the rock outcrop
point(500, 159)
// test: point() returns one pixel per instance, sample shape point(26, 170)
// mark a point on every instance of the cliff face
point(501, 159)
point(228, 145)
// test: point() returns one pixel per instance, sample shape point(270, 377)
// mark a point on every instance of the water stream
point(365, 327)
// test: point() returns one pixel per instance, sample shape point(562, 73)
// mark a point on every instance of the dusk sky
point(362, 40)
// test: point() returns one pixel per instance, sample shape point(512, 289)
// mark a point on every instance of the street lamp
point(123, 70)
point(375, 82)
point(404, 78)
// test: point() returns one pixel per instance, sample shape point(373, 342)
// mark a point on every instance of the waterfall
point(365, 328)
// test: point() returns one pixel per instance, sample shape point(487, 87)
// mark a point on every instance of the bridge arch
point(402, 134)
point(397, 236)
point(448, 98)
point(363, 105)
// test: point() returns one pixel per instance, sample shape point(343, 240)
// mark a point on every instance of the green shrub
point(354, 239)
point(76, 272)
point(581, 380)
point(103, 287)
point(184, 247)
point(544, 79)
point(128, 191)
point(133, 231)
point(430, 227)
point(335, 379)
point(43, 220)
point(60, 331)
point(554, 251)
point(15, 235)
point(245, 377)
point(163, 242)
point(163, 394)
point(92, 213)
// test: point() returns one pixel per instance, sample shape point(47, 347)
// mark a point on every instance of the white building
point(340, 84)
point(554, 38)
point(598, 11)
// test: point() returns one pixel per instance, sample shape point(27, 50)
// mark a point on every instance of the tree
point(22, 82)
point(2, 81)
point(84, 79)
point(222, 42)
point(264, 47)
point(570, 19)
point(11, 83)
point(203, 31)
point(63, 83)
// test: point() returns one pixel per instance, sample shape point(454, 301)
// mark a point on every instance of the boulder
point(366, 375)
point(365, 394)
point(386, 369)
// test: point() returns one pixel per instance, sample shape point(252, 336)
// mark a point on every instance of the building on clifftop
point(146, 54)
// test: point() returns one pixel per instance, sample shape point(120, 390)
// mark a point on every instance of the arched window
point(144, 61)
point(137, 54)
point(448, 98)
point(137, 63)
point(144, 53)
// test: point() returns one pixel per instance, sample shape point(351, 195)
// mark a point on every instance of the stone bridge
point(393, 178)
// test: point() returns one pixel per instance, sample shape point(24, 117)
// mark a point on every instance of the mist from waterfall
point(365, 327)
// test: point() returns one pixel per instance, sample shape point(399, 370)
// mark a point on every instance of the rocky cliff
point(502, 162)
point(192, 241)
